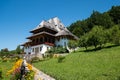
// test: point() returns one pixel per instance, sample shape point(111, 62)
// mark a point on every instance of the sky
point(18, 17)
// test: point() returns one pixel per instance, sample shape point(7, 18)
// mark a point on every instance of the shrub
point(5, 59)
point(0, 59)
point(57, 50)
point(56, 55)
point(35, 59)
point(60, 59)
point(1, 73)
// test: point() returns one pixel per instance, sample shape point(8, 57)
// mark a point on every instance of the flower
point(16, 66)
point(15, 71)
point(29, 66)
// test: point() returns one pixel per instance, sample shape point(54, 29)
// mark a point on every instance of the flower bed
point(17, 73)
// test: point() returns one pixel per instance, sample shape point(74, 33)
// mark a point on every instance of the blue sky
point(18, 17)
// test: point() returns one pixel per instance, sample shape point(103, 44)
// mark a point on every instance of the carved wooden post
point(23, 69)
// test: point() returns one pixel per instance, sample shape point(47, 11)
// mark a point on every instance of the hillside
point(97, 65)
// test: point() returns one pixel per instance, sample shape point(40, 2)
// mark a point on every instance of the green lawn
point(96, 65)
point(5, 67)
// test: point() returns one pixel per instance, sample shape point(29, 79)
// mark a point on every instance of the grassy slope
point(100, 65)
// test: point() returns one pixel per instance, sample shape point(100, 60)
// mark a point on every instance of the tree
point(73, 44)
point(96, 36)
point(18, 49)
point(84, 41)
point(101, 19)
point(5, 50)
point(115, 35)
point(114, 12)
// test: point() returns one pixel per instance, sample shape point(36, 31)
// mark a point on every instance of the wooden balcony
point(47, 43)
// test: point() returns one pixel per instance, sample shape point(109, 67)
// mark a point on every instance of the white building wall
point(27, 50)
point(62, 42)
point(44, 48)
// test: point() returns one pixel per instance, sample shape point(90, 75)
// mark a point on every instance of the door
point(36, 50)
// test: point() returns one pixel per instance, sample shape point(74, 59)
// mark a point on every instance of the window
point(37, 40)
point(45, 39)
point(33, 41)
point(41, 48)
point(33, 50)
point(47, 48)
point(41, 39)
point(65, 44)
point(36, 50)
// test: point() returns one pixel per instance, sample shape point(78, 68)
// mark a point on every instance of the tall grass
point(96, 65)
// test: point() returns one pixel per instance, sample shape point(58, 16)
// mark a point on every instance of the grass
point(103, 64)
point(5, 67)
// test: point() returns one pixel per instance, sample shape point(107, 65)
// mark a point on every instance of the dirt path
point(39, 75)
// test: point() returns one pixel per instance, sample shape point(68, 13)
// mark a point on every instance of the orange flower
point(16, 66)
point(29, 66)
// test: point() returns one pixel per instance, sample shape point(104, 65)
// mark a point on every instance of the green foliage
point(98, 36)
point(73, 44)
point(60, 59)
point(30, 75)
point(5, 67)
point(97, 65)
point(7, 53)
point(101, 19)
point(94, 38)
point(5, 50)
point(114, 12)
point(35, 59)
point(106, 20)
point(18, 50)
point(115, 35)
point(83, 41)
point(57, 50)
point(1, 74)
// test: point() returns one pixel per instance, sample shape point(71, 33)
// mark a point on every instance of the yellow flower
point(16, 65)
point(40, 79)
point(29, 66)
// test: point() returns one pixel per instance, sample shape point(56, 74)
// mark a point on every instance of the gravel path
point(39, 75)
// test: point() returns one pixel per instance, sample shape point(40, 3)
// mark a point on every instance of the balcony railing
point(48, 43)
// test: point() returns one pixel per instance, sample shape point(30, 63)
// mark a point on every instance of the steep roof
point(45, 24)
point(53, 23)
point(40, 34)
point(66, 33)
point(56, 25)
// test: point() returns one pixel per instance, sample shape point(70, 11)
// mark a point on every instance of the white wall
point(44, 49)
point(27, 50)
point(61, 42)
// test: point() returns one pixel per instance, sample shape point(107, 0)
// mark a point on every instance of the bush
point(5, 59)
point(1, 73)
point(35, 59)
point(60, 59)
point(57, 50)
point(0, 59)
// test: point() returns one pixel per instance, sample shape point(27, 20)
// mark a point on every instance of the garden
point(11, 69)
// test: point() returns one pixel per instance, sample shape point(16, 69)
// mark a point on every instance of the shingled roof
point(66, 33)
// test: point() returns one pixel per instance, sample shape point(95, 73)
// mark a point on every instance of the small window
point(33, 50)
point(37, 40)
point(41, 48)
point(47, 48)
point(65, 44)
